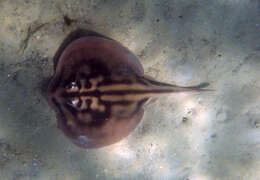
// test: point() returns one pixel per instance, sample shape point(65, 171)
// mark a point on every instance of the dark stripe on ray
point(111, 103)
point(126, 92)
point(94, 93)
point(108, 81)
point(97, 93)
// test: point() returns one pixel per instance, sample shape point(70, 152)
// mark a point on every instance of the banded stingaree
point(99, 90)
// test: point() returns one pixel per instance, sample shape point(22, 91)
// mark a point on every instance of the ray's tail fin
point(170, 88)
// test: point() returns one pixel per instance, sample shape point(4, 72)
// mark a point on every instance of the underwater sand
point(187, 136)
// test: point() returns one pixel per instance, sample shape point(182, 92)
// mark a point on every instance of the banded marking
point(105, 97)
point(111, 93)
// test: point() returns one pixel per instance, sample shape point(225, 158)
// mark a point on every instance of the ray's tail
point(165, 88)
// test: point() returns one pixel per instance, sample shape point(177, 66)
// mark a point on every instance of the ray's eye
point(72, 86)
point(74, 102)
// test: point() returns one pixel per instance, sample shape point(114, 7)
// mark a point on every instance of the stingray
point(99, 89)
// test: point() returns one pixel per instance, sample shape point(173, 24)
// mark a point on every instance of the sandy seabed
point(189, 136)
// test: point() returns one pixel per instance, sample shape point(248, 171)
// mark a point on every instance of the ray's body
point(99, 90)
